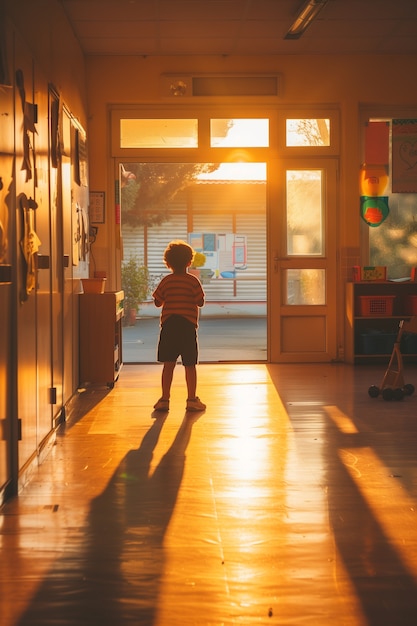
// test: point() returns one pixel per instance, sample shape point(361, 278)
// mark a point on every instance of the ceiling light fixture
point(307, 14)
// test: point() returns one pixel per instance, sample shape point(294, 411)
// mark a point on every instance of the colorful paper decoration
point(374, 210)
point(373, 180)
point(377, 143)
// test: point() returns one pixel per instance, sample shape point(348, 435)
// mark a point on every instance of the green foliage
point(135, 282)
point(145, 199)
point(394, 243)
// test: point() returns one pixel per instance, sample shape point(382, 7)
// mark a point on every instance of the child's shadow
point(114, 578)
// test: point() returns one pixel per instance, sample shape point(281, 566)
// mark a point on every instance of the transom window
point(158, 133)
point(307, 132)
point(248, 136)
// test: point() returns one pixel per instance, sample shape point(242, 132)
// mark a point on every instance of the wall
point(350, 83)
point(39, 295)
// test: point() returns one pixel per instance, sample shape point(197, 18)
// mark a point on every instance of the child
point(180, 295)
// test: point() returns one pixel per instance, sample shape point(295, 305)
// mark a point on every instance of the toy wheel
point(398, 394)
point(409, 389)
point(387, 393)
point(373, 391)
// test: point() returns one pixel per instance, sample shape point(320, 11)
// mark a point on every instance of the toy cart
point(392, 385)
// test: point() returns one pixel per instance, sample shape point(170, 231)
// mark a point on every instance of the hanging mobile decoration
point(373, 175)
point(374, 210)
point(373, 180)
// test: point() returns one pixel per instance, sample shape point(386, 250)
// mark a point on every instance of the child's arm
point(200, 298)
point(158, 301)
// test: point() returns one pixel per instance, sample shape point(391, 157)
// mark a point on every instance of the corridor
point(292, 501)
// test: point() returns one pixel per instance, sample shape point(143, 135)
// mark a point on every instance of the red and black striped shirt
point(179, 294)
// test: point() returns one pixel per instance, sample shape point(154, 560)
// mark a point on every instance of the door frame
point(279, 154)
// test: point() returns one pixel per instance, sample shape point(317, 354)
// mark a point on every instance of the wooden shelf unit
point(370, 338)
point(101, 337)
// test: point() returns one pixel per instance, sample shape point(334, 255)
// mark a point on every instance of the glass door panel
point(304, 212)
point(303, 276)
point(305, 286)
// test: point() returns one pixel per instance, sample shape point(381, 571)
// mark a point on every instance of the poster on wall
point(80, 159)
point(224, 254)
point(97, 207)
point(404, 156)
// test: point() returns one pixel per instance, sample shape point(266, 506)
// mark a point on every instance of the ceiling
point(240, 27)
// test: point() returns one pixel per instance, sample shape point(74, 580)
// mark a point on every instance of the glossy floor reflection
point(292, 500)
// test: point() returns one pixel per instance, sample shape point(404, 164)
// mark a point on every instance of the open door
point(220, 209)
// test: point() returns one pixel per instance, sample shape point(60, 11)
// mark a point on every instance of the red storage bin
point(376, 305)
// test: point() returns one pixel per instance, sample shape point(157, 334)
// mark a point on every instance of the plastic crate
point(378, 343)
point(376, 305)
point(409, 343)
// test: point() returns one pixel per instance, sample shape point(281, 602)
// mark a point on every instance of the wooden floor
point(292, 500)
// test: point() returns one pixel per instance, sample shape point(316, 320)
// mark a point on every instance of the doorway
point(279, 228)
point(220, 209)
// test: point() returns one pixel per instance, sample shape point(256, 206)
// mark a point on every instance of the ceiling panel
point(244, 27)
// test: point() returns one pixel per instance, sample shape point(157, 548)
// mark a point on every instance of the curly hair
point(178, 255)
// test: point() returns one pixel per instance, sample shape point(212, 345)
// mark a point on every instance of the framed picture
point(96, 208)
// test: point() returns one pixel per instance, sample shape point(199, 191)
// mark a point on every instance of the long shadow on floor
point(369, 434)
point(112, 576)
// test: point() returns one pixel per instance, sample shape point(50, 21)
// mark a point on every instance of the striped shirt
point(179, 294)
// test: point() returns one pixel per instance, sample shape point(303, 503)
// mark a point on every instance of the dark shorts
point(178, 337)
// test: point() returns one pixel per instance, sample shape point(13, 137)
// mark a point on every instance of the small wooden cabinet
point(373, 314)
point(101, 337)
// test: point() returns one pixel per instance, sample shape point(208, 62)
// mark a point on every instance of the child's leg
point(191, 380)
point(167, 375)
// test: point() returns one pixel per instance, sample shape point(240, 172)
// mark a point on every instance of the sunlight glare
point(237, 171)
point(247, 452)
point(341, 420)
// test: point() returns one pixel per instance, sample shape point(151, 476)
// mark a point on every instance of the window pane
point(306, 286)
point(393, 242)
point(304, 213)
point(239, 133)
point(308, 132)
point(158, 133)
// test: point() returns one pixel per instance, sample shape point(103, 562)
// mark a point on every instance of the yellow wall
point(43, 26)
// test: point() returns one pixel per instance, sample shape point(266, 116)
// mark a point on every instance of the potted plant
point(135, 284)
